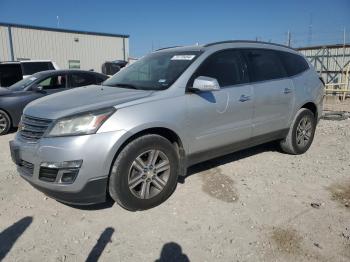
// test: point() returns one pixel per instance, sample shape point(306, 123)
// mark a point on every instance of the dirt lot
point(255, 205)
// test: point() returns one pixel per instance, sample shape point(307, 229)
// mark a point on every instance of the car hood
point(82, 99)
point(4, 91)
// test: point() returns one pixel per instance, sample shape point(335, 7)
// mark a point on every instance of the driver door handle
point(287, 90)
point(244, 98)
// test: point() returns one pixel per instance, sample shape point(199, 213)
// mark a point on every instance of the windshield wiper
point(124, 85)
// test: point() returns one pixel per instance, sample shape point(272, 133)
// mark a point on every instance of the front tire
point(301, 133)
point(5, 123)
point(144, 173)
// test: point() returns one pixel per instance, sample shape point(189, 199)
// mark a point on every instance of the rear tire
point(5, 123)
point(301, 133)
point(144, 173)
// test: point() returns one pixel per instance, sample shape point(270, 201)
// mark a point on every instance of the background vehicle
point(12, 72)
point(14, 98)
point(167, 111)
point(112, 67)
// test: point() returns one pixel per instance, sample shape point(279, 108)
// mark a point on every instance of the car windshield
point(20, 85)
point(156, 71)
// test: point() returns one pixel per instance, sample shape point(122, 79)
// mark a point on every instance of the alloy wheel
point(304, 131)
point(3, 122)
point(149, 174)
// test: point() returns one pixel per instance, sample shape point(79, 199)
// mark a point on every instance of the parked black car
point(14, 98)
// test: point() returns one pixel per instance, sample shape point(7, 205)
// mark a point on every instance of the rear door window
point(225, 66)
point(294, 64)
point(34, 67)
point(81, 79)
point(264, 65)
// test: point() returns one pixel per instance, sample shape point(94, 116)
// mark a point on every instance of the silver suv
point(132, 136)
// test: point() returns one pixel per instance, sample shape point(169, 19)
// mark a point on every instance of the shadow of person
point(9, 236)
point(172, 252)
point(101, 244)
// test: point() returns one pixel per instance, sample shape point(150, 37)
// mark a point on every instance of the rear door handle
point(287, 90)
point(244, 98)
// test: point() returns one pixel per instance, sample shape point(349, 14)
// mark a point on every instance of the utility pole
point(309, 37)
point(344, 42)
point(288, 38)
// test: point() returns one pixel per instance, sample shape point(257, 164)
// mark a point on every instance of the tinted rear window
point(10, 74)
point(34, 67)
point(264, 65)
point(81, 79)
point(294, 64)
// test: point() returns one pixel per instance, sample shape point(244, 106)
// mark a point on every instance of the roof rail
point(168, 47)
point(246, 41)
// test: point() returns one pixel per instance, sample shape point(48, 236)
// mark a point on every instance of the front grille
point(32, 128)
point(26, 167)
point(48, 174)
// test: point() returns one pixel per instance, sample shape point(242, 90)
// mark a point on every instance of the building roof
point(62, 30)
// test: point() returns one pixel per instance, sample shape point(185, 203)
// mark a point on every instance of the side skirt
point(227, 149)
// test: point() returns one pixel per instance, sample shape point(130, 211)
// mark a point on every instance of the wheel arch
point(312, 107)
point(165, 132)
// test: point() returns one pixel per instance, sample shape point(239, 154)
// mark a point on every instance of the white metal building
point(68, 48)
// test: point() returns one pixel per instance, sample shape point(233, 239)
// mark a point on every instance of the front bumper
point(92, 193)
point(97, 152)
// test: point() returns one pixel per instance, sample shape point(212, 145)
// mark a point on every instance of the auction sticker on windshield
point(182, 57)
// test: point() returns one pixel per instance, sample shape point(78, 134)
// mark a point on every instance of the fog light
point(69, 176)
point(60, 172)
point(63, 165)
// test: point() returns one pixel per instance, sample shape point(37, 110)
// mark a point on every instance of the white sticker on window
point(182, 57)
point(162, 80)
point(32, 78)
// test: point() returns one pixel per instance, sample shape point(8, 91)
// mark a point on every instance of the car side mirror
point(39, 89)
point(204, 83)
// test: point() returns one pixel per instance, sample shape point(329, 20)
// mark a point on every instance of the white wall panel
point(4, 51)
point(90, 50)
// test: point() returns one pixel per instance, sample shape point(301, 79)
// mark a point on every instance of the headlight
point(81, 124)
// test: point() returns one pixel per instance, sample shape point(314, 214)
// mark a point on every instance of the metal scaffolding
point(332, 62)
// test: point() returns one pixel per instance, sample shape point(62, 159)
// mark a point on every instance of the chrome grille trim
point(33, 128)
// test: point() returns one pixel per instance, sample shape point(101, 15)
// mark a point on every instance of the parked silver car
point(132, 136)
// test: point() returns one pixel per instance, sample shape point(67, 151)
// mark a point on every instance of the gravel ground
point(255, 205)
